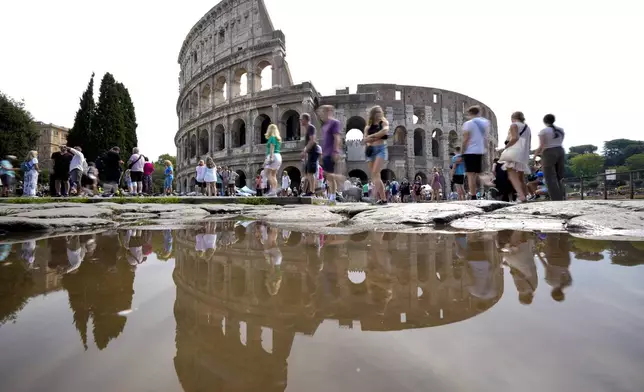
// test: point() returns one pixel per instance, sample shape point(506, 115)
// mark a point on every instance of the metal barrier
point(602, 188)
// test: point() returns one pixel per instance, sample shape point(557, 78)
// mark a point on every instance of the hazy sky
point(576, 59)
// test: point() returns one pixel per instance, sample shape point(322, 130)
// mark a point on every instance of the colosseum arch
point(239, 133)
point(423, 177)
point(220, 93)
point(220, 138)
point(400, 136)
point(206, 98)
point(203, 142)
point(436, 145)
point(194, 104)
point(419, 142)
point(291, 119)
point(295, 175)
point(264, 75)
point(453, 141)
point(387, 175)
point(261, 126)
point(356, 122)
point(241, 179)
point(357, 173)
point(240, 83)
point(419, 116)
point(193, 146)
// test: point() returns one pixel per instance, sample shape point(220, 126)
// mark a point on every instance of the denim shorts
point(379, 151)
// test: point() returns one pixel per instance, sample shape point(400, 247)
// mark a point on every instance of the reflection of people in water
point(273, 257)
point(5, 249)
point(518, 256)
point(481, 270)
point(380, 278)
point(557, 264)
point(29, 253)
point(167, 244)
point(134, 245)
point(75, 254)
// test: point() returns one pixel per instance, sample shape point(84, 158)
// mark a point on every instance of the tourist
point(135, 164)
point(286, 183)
point(61, 161)
point(475, 133)
point(458, 173)
point(417, 189)
point(330, 148)
point(435, 184)
point(148, 169)
point(311, 153)
point(441, 181)
point(30, 171)
point(210, 177)
point(517, 255)
point(7, 175)
point(225, 174)
point(111, 163)
point(76, 168)
point(258, 185)
point(201, 173)
point(273, 157)
point(90, 181)
point(232, 179)
point(220, 184)
point(405, 191)
point(264, 184)
point(515, 158)
point(553, 157)
point(169, 177)
point(376, 151)
point(127, 179)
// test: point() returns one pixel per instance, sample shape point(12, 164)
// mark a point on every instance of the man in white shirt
point(286, 183)
point(76, 169)
point(135, 164)
point(475, 133)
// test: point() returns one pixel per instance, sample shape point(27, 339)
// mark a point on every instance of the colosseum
point(234, 82)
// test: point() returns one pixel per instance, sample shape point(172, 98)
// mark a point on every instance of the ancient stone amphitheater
point(235, 81)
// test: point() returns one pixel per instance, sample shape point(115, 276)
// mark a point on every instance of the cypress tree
point(18, 134)
point(110, 125)
point(80, 133)
point(129, 119)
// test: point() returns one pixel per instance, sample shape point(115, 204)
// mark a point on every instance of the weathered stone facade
point(233, 44)
point(50, 137)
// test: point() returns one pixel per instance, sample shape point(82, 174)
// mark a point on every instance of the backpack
point(26, 166)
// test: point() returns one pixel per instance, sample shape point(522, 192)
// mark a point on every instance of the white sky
point(579, 60)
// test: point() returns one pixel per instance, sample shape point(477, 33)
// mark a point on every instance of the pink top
point(148, 168)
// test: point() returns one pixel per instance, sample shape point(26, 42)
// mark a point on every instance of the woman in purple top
point(330, 148)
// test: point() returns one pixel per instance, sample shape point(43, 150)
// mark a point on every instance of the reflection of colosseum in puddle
point(235, 325)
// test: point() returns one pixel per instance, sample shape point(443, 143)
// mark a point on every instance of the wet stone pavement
point(240, 305)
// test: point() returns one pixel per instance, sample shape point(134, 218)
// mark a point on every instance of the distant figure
point(553, 157)
point(135, 164)
point(7, 176)
point(475, 134)
point(169, 177)
point(30, 171)
point(148, 169)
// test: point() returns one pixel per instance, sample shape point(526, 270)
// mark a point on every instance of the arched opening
point(292, 121)
point(423, 177)
point(387, 175)
point(206, 100)
point(220, 93)
point(265, 71)
point(186, 110)
point(220, 138)
point(294, 174)
point(354, 134)
point(359, 174)
point(193, 146)
point(419, 116)
point(436, 147)
point(356, 122)
point(241, 179)
point(193, 183)
point(261, 126)
point(203, 142)
point(186, 148)
point(239, 133)
point(194, 104)
point(453, 141)
point(240, 83)
point(400, 136)
point(419, 142)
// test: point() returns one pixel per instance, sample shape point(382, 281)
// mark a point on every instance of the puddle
point(244, 306)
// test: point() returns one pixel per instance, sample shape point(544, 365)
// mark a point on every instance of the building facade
point(226, 103)
point(50, 138)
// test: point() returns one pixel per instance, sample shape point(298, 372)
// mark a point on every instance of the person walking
point(515, 158)
point(475, 133)
point(232, 179)
point(201, 173)
point(458, 173)
point(135, 164)
point(148, 169)
point(436, 185)
point(210, 177)
point(286, 182)
point(76, 168)
point(376, 134)
point(30, 171)
point(273, 157)
point(7, 175)
point(311, 154)
point(169, 177)
point(330, 149)
point(553, 157)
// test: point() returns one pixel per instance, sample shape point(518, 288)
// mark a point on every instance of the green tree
point(129, 119)
point(635, 162)
point(18, 134)
point(583, 149)
point(587, 164)
point(81, 132)
point(110, 125)
point(618, 150)
point(158, 176)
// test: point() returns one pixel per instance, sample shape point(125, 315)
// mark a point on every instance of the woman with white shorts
point(273, 157)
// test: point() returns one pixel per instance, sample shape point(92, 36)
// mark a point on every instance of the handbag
point(513, 153)
point(368, 151)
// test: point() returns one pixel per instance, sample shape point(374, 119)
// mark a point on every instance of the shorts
point(473, 163)
point(277, 162)
point(200, 183)
point(61, 175)
point(167, 183)
point(311, 166)
point(75, 176)
point(136, 176)
point(379, 151)
point(7, 180)
point(458, 179)
point(328, 164)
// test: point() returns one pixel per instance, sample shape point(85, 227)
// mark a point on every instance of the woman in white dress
point(201, 172)
point(516, 156)
point(30, 174)
point(210, 177)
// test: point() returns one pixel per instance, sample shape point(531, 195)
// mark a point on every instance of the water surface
point(241, 306)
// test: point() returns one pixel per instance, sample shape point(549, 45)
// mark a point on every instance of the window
point(435, 98)
point(398, 95)
point(194, 57)
point(222, 36)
